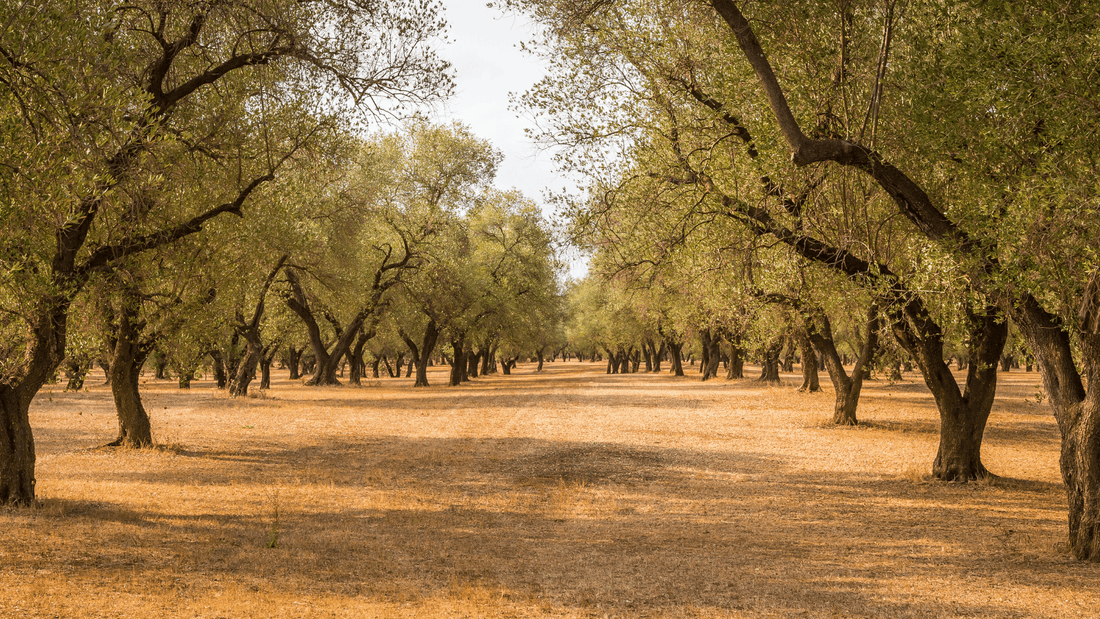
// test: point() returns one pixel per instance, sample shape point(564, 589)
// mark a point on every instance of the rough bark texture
point(712, 353)
point(294, 361)
point(675, 356)
point(1076, 408)
point(16, 448)
point(820, 331)
point(473, 363)
point(769, 361)
point(811, 383)
point(963, 413)
point(217, 366)
point(267, 358)
point(356, 360)
point(736, 367)
point(250, 332)
point(134, 429)
point(459, 363)
point(422, 354)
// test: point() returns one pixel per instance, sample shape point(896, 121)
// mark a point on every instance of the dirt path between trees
point(565, 493)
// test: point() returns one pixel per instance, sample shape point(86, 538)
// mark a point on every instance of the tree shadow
point(584, 527)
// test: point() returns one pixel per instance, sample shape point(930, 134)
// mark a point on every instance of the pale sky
point(489, 65)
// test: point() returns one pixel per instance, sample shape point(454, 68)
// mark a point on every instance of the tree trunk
point(325, 368)
point(358, 363)
point(787, 363)
point(675, 353)
point(43, 356)
point(1076, 408)
point(104, 363)
point(217, 366)
point(459, 363)
point(76, 370)
point(820, 332)
point(539, 355)
point(266, 359)
point(963, 414)
point(712, 353)
point(160, 366)
point(16, 448)
point(294, 361)
point(134, 429)
point(246, 368)
point(487, 353)
point(811, 383)
point(769, 364)
point(737, 359)
point(421, 354)
point(472, 363)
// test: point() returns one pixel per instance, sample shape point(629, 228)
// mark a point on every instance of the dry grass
point(568, 493)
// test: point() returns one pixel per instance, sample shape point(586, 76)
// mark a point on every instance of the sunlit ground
point(566, 493)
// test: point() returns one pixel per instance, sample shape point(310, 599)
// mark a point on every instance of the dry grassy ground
point(568, 493)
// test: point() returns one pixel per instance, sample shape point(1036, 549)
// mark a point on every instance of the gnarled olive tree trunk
point(811, 382)
point(134, 428)
point(769, 361)
point(712, 353)
point(963, 412)
point(1075, 400)
point(820, 332)
point(423, 353)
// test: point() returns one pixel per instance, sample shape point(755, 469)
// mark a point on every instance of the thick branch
point(104, 257)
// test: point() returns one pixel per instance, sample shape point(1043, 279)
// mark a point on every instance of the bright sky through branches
point(489, 65)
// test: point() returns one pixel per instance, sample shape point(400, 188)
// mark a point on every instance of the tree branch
point(105, 257)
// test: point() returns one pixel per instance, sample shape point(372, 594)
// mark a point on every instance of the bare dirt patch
point(566, 493)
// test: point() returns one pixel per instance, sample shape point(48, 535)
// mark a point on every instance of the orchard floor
point(565, 493)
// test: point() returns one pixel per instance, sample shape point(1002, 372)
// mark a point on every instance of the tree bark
point(712, 353)
point(217, 366)
point(134, 429)
point(358, 363)
point(459, 363)
point(811, 383)
point(1076, 408)
point(473, 363)
point(820, 332)
point(963, 414)
point(16, 449)
point(421, 354)
point(675, 354)
point(267, 357)
point(769, 362)
point(294, 361)
point(736, 368)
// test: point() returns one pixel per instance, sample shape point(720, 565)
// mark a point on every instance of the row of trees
point(927, 166)
point(132, 130)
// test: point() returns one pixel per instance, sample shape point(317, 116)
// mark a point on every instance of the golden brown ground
point(568, 493)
